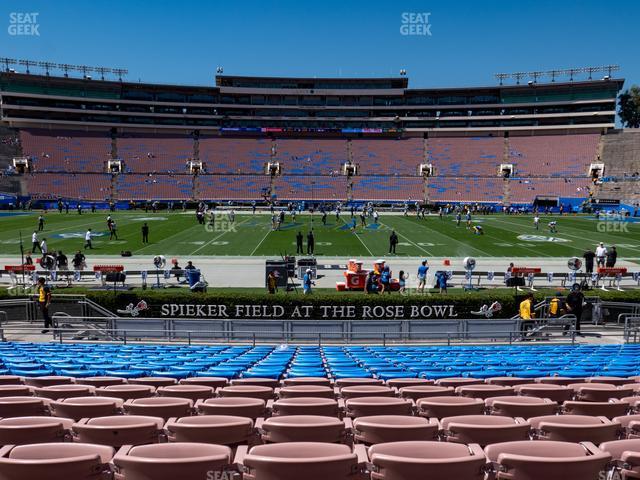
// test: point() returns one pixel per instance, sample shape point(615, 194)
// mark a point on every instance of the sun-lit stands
point(466, 156)
point(388, 188)
point(553, 155)
point(296, 187)
point(232, 187)
point(311, 156)
point(390, 157)
point(155, 153)
point(66, 151)
point(234, 155)
point(75, 185)
point(621, 153)
point(133, 186)
point(526, 189)
point(449, 189)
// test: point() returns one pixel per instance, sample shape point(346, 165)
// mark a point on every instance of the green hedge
point(463, 303)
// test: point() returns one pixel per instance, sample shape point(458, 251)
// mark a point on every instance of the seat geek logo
point(415, 24)
point(24, 24)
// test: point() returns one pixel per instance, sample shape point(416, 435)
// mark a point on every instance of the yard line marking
point(567, 234)
point(215, 238)
point(263, 239)
point(438, 232)
point(363, 244)
point(409, 240)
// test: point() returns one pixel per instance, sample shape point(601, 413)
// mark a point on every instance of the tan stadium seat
point(55, 461)
point(633, 402)
point(218, 429)
point(304, 428)
point(367, 391)
point(456, 382)
point(633, 386)
point(616, 381)
point(556, 393)
point(164, 407)
point(484, 391)
point(611, 409)
point(424, 391)
point(213, 382)
point(256, 382)
point(119, 430)
point(574, 428)
point(154, 382)
point(626, 454)
point(126, 392)
point(630, 425)
point(598, 392)
point(566, 381)
point(394, 428)
point(316, 391)
point(235, 406)
point(513, 406)
point(23, 406)
point(100, 381)
point(171, 461)
point(318, 381)
point(306, 460)
point(246, 391)
point(86, 407)
point(48, 381)
point(552, 460)
point(307, 406)
point(56, 392)
point(483, 429)
point(356, 382)
point(15, 391)
point(11, 380)
point(399, 383)
point(506, 381)
point(367, 406)
point(26, 430)
point(192, 392)
point(423, 460)
point(440, 407)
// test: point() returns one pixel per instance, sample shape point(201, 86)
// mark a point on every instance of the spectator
point(87, 240)
point(307, 282)
point(402, 281)
point(574, 302)
point(612, 257)
point(145, 232)
point(79, 261)
point(61, 261)
point(601, 254)
point(441, 281)
point(555, 306)
point(272, 283)
point(526, 314)
point(44, 300)
point(588, 256)
point(393, 241)
point(371, 283)
point(385, 280)
point(28, 260)
point(190, 266)
point(422, 275)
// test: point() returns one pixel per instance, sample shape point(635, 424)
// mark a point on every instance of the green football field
point(251, 235)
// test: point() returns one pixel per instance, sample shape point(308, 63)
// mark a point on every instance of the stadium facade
point(313, 139)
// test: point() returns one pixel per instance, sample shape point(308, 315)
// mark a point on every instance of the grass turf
point(251, 235)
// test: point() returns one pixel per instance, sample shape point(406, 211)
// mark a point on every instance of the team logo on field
point(149, 219)
point(542, 238)
point(70, 235)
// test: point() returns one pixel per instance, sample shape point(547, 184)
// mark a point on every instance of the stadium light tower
point(28, 63)
point(120, 72)
point(47, 66)
point(519, 76)
point(219, 70)
point(611, 68)
point(102, 71)
point(7, 62)
point(536, 75)
point(65, 67)
point(592, 70)
point(502, 76)
point(553, 74)
point(572, 72)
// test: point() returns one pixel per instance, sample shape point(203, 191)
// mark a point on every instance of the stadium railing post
point(384, 339)
point(189, 337)
point(124, 338)
point(254, 338)
point(319, 339)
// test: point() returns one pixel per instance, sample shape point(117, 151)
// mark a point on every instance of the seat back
point(29, 430)
point(217, 429)
point(303, 428)
point(119, 430)
point(483, 429)
point(375, 429)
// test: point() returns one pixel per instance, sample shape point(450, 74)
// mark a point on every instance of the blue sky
point(182, 42)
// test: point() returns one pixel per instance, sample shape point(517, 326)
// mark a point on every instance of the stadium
point(287, 273)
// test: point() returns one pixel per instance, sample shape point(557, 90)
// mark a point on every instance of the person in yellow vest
point(44, 300)
point(526, 314)
point(555, 306)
